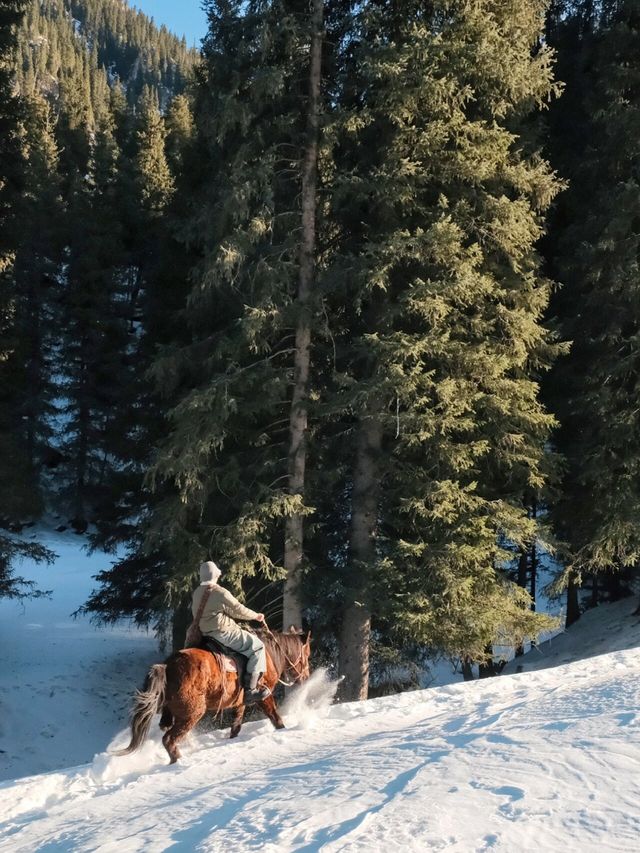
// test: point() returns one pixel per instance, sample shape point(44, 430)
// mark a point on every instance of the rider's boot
point(253, 693)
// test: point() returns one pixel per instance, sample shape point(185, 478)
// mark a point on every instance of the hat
point(209, 572)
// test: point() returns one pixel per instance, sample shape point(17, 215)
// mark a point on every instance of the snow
point(65, 684)
point(544, 760)
point(609, 628)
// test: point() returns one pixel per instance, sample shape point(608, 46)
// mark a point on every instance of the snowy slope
point(64, 684)
point(546, 760)
point(609, 628)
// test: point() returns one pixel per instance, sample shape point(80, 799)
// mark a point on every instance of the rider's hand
point(260, 618)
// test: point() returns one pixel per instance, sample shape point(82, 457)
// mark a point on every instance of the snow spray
point(310, 701)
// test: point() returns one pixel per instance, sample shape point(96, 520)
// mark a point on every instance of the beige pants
point(246, 644)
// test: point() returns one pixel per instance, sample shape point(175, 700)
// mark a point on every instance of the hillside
point(100, 42)
point(99, 135)
point(609, 628)
point(544, 760)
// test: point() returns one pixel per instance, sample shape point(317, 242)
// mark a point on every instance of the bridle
point(290, 664)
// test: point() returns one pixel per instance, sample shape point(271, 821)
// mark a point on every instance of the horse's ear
point(307, 642)
point(293, 629)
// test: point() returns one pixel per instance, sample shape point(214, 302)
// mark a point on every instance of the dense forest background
point(348, 301)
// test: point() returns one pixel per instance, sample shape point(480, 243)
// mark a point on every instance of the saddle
point(230, 661)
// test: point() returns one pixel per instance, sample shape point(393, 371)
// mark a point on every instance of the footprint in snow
point(513, 794)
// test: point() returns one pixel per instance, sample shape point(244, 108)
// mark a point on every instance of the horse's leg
point(181, 727)
point(166, 719)
point(238, 717)
point(270, 708)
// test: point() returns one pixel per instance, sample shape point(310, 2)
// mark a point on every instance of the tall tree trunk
point(34, 369)
point(533, 566)
point(356, 616)
point(490, 668)
point(82, 448)
point(533, 561)
point(573, 606)
point(31, 413)
point(181, 619)
point(534, 573)
point(523, 564)
point(485, 668)
point(467, 669)
point(294, 524)
point(612, 586)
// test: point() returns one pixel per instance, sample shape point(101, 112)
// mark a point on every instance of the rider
point(217, 621)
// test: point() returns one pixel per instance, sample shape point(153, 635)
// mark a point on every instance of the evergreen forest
point(348, 301)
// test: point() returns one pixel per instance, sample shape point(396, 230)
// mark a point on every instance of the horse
point(193, 681)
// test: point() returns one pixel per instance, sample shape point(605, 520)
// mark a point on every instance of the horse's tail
point(148, 702)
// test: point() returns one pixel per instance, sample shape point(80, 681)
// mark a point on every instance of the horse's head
point(298, 665)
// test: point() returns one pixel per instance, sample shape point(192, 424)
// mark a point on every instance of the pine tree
point(35, 274)
point(151, 289)
point(226, 453)
point(298, 420)
point(95, 319)
point(179, 130)
point(438, 329)
point(439, 200)
point(154, 285)
point(15, 475)
point(12, 181)
point(596, 257)
point(156, 183)
point(11, 12)
point(155, 278)
point(63, 70)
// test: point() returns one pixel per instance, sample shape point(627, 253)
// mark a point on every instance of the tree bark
point(523, 564)
point(34, 372)
point(612, 586)
point(533, 559)
point(490, 668)
point(294, 524)
point(533, 563)
point(354, 651)
point(467, 670)
point(573, 606)
point(181, 620)
point(82, 449)
point(356, 617)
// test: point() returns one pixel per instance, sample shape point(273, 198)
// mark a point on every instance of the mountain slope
point(545, 760)
point(100, 41)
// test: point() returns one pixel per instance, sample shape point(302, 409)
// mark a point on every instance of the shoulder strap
point(203, 604)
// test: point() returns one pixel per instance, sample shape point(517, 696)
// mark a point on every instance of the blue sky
point(182, 17)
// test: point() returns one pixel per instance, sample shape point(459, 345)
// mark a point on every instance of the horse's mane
point(284, 646)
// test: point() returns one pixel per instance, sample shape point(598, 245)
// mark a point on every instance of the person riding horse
point(217, 621)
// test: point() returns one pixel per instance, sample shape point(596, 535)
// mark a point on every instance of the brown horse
point(194, 681)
